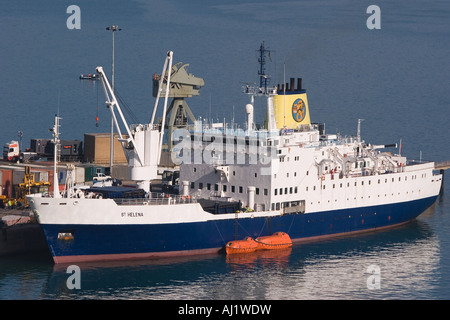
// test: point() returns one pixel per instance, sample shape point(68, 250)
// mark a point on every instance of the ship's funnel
point(290, 106)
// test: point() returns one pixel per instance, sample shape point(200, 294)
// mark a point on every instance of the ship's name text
point(132, 214)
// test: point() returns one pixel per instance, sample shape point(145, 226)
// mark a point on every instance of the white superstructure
point(307, 172)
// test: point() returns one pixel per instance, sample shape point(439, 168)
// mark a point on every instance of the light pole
point(20, 134)
point(111, 157)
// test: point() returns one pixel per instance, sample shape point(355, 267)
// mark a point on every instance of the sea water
point(394, 77)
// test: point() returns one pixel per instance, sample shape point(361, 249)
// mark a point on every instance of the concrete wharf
point(443, 165)
point(20, 233)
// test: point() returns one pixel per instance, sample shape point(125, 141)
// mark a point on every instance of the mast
point(358, 132)
point(111, 154)
point(263, 78)
point(56, 141)
point(262, 90)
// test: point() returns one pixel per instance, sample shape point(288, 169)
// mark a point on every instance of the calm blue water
point(396, 79)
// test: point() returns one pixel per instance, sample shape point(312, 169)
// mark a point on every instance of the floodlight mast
point(113, 29)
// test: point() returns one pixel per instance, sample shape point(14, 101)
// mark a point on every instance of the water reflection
point(408, 259)
point(24, 277)
point(260, 257)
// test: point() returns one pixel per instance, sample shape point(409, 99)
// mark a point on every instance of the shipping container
point(97, 148)
point(70, 150)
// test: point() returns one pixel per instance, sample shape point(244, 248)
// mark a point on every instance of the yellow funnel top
point(291, 107)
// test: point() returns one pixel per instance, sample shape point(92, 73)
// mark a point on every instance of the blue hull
point(111, 242)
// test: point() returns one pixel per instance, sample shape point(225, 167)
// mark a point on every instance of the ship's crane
point(142, 145)
point(182, 85)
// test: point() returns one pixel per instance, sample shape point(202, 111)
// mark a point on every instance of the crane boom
point(112, 104)
point(142, 146)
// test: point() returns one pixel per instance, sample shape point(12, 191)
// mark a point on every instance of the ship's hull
point(116, 241)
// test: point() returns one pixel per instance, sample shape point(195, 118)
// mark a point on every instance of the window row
point(194, 169)
point(287, 174)
point(367, 182)
point(286, 190)
point(225, 188)
point(367, 197)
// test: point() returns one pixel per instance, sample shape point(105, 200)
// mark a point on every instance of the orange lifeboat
point(241, 246)
point(279, 240)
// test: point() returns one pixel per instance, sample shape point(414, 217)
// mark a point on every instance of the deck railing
point(155, 199)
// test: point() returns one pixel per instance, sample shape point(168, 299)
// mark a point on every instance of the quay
point(443, 165)
point(20, 233)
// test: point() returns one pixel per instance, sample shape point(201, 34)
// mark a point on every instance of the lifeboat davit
point(279, 240)
point(241, 246)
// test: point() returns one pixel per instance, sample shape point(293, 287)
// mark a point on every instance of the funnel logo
point(298, 110)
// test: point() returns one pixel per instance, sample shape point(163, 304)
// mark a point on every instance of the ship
point(288, 176)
